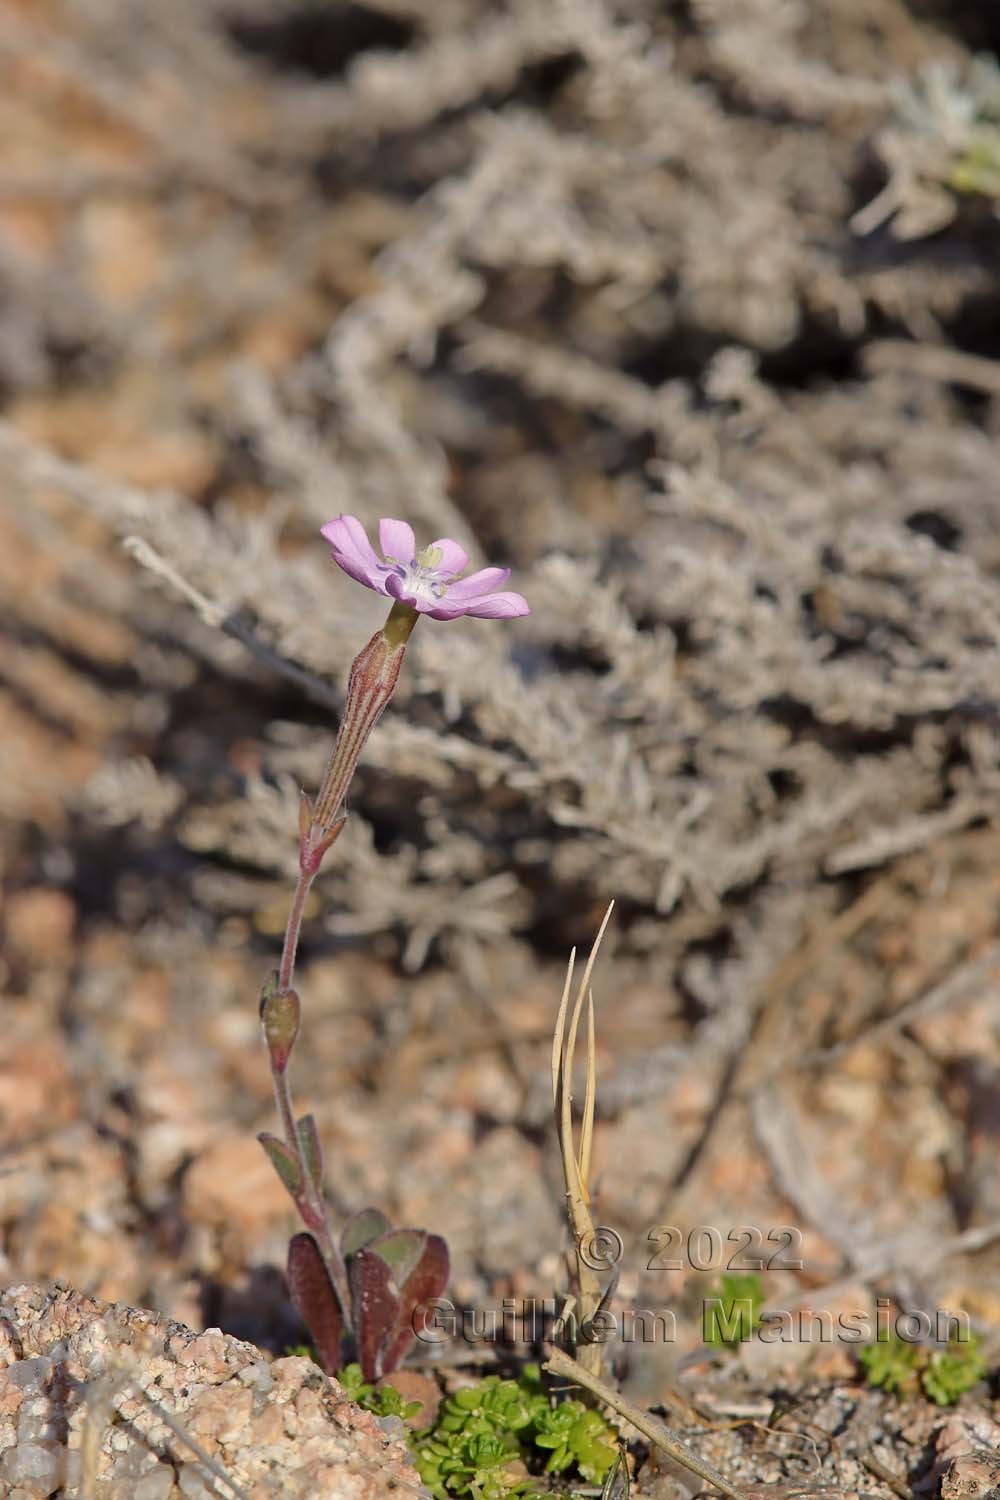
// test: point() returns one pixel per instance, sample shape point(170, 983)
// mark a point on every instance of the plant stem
point(310, 1203)
point(374, 673)
point(294, 926)
point(309, 1200)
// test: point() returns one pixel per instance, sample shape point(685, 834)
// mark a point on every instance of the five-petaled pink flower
point(426, 581)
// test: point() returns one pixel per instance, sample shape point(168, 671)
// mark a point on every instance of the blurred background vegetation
point(688, 313)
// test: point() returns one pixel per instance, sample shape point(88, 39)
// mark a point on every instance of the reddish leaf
point(314, 1299)
point(376, 1307)
point(426, 1281)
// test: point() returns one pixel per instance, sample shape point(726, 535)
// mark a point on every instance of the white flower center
point(422, 577)
point(423, 583)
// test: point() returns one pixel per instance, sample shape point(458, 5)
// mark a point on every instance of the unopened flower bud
point(279, 1012)
point(374, 673)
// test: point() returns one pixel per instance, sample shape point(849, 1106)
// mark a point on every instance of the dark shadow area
point(319, 40)
point(259, 1310)
point(972, 22)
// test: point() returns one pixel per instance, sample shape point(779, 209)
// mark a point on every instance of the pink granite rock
point(95, 1391)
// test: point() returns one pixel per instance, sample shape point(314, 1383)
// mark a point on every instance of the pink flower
point(426, 581)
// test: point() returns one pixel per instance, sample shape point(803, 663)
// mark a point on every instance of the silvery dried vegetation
point(598, 288)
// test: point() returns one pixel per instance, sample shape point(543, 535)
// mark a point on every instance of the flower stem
point(374, 674)
point(294, 926)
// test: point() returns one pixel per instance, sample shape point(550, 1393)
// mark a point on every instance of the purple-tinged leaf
point(401, 1250)
point(315, 1300)
point(312, 1151)
point(426, 1281)
point(360, 1229)
point(376, 1308)
point(284, 1163)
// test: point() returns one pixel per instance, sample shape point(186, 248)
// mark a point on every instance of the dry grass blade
point(557, 1035)
point(589, 1098)
point(576, 1163)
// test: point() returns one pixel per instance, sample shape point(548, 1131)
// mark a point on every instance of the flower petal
point(396, 540)
point(498, 607)
point(485, 607)
point(440, 609)
point(478, 583)
point(453, 557)
point(396, 589)
point(427, 591)
point(353, 552)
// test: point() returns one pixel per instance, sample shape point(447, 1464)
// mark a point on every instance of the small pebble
point(30, 1375)
point(37, 1470)
point(194, 1486)
point(156, 1484)
point(973, 1476)
point(258, 1377)
point(393, 1427)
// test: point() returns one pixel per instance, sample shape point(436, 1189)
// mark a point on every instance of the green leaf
point(284, 1163)
point(401, 1250)
point(733, 1310)
point(892, 1364)
point(953, 1371)
point(312, 1151)
point(354, 1383)
point(360, 1229)
point(488, 1433)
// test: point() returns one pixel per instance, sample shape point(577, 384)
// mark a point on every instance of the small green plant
point(732, 1310)
point(491, 1437)
point(977, 169)
point(575, 1434)
point(892, 1364)
point(951, 1372)
point(942, 1374)
point(384, 1401)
